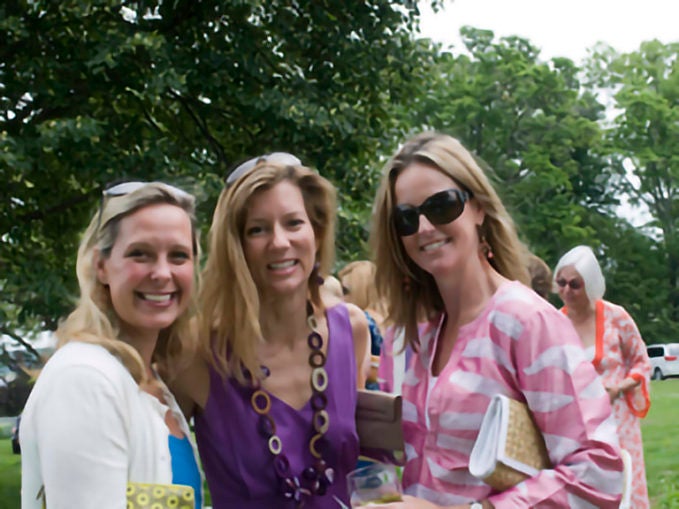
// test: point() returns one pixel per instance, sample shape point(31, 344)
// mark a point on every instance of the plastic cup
point(374, 484)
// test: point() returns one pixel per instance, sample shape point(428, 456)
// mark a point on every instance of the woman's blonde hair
point(94, 319)
point(229, 299)
point(358, 282)
point(412, 293)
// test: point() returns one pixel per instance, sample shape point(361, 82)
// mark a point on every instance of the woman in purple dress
point(274, 399)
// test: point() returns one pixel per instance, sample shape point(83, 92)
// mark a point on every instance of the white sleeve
point(81, 428)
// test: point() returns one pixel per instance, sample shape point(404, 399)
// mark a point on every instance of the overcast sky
point(559, 28)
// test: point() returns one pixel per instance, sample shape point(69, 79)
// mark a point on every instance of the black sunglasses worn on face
point(575, 284)
point(247, 166)
point(440, 208)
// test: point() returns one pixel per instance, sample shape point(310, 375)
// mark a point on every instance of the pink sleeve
point(385, 371)
point(571, 408)
point(636, 359)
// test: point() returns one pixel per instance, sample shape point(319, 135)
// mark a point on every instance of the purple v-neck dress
point(236, 459)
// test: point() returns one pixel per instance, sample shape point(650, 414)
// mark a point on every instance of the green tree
point(633, 264)
point(531, 123)
point(95, 91)
point(544, 136)
point(642, 143)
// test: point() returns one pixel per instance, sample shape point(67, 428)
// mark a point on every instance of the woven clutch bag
point(510, 447)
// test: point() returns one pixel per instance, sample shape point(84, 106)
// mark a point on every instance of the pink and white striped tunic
point(522, 347)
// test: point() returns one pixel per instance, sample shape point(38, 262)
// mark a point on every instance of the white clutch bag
point(510, 447)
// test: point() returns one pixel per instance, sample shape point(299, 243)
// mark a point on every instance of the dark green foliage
point(545, 136)
point(182, 90)
point(179, 91)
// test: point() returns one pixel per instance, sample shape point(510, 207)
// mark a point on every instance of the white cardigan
point(87, 429)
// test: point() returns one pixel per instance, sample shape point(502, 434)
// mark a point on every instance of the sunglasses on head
point(575, 284)
point(129, 187)
point(275, 157)
point(124, 188)
point(440, 208)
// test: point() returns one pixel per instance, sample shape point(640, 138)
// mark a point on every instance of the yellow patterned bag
point(152, 496)
point(160, 496)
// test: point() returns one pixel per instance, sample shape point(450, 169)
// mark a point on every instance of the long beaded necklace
point(316, 478)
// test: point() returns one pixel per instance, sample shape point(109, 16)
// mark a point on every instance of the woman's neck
point(284, 320)
point(465, 297)
point(143, 342)
point(579, 313)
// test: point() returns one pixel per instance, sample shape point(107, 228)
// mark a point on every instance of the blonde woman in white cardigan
point(99, 417)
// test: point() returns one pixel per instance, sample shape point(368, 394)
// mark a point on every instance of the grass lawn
point(660, 430)
point(661, 444)
point(10, 476)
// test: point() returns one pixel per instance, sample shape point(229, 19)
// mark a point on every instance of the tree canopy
point(92, 92)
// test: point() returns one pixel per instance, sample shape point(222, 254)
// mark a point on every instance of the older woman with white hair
point(615, 347)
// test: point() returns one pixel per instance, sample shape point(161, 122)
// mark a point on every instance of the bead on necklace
point(315, 479)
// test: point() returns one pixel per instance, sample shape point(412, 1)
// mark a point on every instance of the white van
point(664, 360)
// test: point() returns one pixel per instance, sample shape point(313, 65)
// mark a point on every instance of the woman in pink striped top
point(448, 257)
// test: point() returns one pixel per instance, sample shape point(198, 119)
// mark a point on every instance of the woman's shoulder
point(338, 307)
point(516, 298)
point(330, 301)
point(518, 307)
point(86, 354)
point(357, 316)
point(615, 309)
point(89, 360)
point(84, 373)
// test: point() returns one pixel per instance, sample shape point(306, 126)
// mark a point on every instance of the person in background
point(358, 287)
point(614, 345)
point(448, 257)
point(274, 399)
point(332, 288)
point(99, 417)
point(540, 276)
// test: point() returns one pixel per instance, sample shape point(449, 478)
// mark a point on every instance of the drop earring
point(314, 272)
point(484, 246)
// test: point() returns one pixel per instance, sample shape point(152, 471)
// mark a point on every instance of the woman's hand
point(613, 393)
point(618, 391)
point(416, 503)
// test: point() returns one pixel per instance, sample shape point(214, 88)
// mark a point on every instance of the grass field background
point(660, 431)
point(661, 445)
